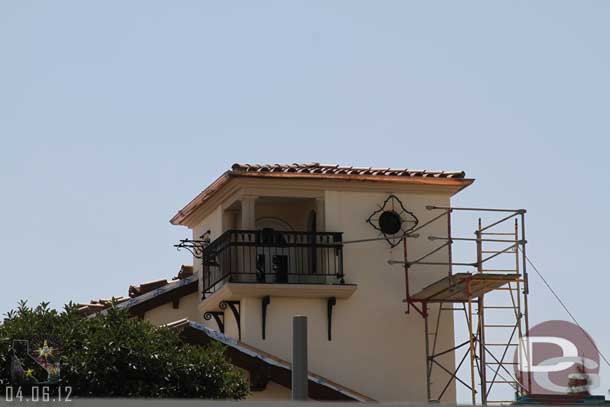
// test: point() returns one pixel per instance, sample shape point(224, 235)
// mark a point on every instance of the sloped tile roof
point(334, 169)
point(134, 291)
point(317, 171)
point(189, 328)
point(98, 305)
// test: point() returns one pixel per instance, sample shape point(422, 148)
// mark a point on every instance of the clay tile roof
point(98, 305)
point(185, 271)
point(328, 169)
point(455, 179)
point(88, 309)
point(134, 290)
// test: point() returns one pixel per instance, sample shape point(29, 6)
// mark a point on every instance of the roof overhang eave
point(180, 218)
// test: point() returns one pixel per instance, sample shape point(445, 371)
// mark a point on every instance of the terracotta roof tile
point(334, 169)
point(88, 309)
point(455, 179)
point(98, 305)
point(185, 271)
point(134, 291)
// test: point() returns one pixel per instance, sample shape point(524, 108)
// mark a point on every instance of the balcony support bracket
point(330, 303)
point(219, 317)
point(266, 300)
point(233, 306)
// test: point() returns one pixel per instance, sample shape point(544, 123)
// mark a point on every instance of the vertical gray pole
point(299, 358)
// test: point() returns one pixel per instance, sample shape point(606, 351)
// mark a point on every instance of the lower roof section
point(262, 365)
point(169, 292)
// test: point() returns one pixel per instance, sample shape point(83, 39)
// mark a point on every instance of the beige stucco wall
point(377, 349)
point(165, 313)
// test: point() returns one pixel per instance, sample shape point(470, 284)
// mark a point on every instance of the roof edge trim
point(180, 217)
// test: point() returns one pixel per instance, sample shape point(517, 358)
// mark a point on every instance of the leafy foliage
point(111, 355)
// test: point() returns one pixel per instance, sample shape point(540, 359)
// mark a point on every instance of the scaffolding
point(491, 296)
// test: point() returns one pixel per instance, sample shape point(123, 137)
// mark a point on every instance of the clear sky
point(114, 114)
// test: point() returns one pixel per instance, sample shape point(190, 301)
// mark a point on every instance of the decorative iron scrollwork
point(195, 246)
point(219, 317)
point(393, 220)
point(266, 300)
point(330, 303)
point(233, 306)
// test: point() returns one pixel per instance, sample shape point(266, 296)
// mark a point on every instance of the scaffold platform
point(463, 287)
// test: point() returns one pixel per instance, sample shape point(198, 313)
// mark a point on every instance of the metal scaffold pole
point(470, 289)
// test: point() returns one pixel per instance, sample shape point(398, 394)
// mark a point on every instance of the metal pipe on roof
point(433, 207)
point(299, 358)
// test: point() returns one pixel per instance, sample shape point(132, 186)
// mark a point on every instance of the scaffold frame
point(466, 293)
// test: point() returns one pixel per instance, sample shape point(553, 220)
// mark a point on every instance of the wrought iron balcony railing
point(270, 256)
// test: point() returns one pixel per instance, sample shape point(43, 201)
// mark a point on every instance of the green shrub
point(110, 355)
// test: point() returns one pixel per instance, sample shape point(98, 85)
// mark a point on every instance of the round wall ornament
point(393, 220)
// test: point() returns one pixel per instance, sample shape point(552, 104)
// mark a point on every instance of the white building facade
point(315, 240)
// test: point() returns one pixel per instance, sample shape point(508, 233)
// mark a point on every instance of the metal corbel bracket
point(265, 301)
point(233, 306)
point(330, 303)
point(219, 317)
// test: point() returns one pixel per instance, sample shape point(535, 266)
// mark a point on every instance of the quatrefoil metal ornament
point(393, 220)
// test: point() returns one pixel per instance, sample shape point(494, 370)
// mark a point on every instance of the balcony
point(268, 256)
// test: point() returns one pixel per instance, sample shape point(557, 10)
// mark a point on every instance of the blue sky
point(115, 114)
